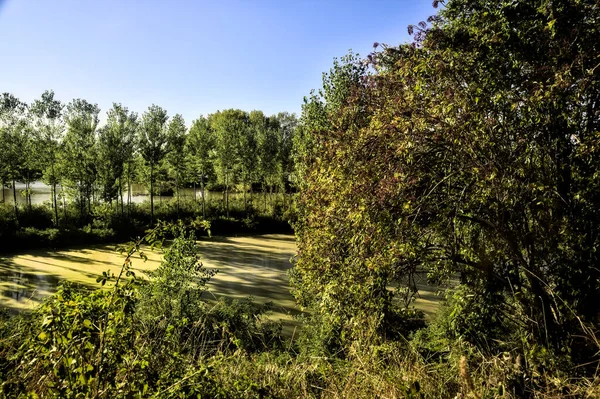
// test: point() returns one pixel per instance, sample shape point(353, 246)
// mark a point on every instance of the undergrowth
point(163, 338)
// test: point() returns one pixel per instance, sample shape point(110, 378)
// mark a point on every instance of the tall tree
point(287, 126)
point(228, 126)
point(176, 157)
point(13, 139)
point(152, 141)
point(116, 144)
point(49, 127)
point(267, 139)
point(248, 156)
point(200, 151)
point(79, 155)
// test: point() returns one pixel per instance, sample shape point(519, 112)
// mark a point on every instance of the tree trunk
point(64, 205)
point(203, 199)
point(28, 196)
point(121, 195)
point(54, 197)
point(151, 194)
point(227, 194)
point(81, 204)
point(177, 198)
point(90, 193)
point(128, 189)
point(54, 204)
point(15, 199)
point(265, 198)
point(177, 193)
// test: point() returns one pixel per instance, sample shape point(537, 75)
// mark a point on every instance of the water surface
point(248, 266)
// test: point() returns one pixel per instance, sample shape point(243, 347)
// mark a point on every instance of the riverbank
point(34, 228)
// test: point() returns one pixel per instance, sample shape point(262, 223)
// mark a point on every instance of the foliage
point(467, 153)
point(49, 130)
point(115, 149)
point(78, 157)
point(152, 142)
point(179, 281)
point(131, 341)
point(14, 141)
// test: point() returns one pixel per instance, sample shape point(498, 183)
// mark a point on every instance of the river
point(41, 193)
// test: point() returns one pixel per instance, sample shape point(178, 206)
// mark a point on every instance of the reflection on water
point(41, 193)
point(27, 288)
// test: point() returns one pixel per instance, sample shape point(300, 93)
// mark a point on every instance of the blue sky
point(190, 57)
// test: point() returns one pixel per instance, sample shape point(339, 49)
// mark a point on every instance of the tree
point(200, 149)
point(287, 126)
point(471, 151)
point(31, 162)
point(247, 152)
point(268, 146)
point(176, 138)
point(49, 127)
point(152, 141)
point(79, 152)
point(228, 126)
point(13, 139)
point(332, 276)
point(116, 144)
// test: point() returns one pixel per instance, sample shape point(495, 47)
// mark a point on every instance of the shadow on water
point(253, 266)
point(248, 266)
point(246, 259)
point(256, 267)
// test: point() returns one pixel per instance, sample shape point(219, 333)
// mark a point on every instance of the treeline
point(86, 164)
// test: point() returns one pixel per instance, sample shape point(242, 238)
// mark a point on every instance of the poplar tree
point(79, 155)
point(200, 144)
point(47, 118)
point(152, 142)
point(176, 138)
point(13, 137)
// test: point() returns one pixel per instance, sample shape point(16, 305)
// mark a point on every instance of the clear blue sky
point(190, 57)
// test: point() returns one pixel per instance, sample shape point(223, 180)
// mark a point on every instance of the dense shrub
point(471, 153)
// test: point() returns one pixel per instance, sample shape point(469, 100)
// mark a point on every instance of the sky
point(190, 57)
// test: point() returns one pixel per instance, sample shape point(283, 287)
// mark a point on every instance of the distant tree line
point(85, 163)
